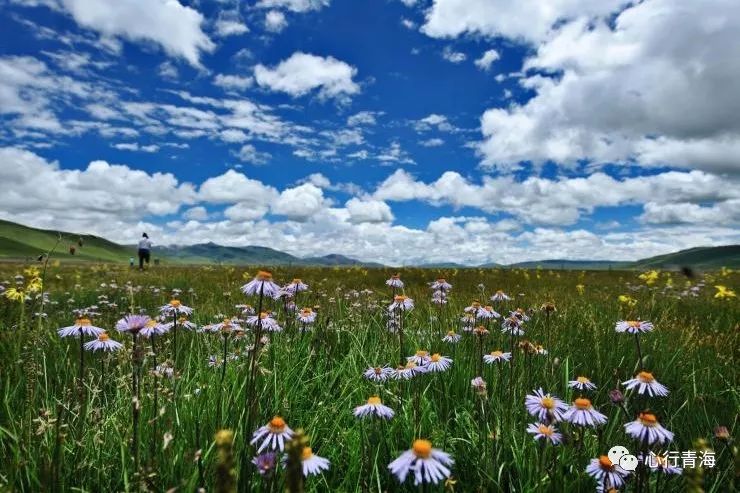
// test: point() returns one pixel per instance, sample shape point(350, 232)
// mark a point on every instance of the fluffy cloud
point(234, 82)
point(629, 89)
point(453, 56)
point(294, 5)
point(169, 24)
point(363, 118)
point(275, 21)
point(543, 201)
point(229, 24)
point(529, 20)
point(440, 122)
point(303, 72)
point(487, 59)
point(368, 211)
point(233, 187)
point(118, 202)
point(300, 203)
point(40, 193)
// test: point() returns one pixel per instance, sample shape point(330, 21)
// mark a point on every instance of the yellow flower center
point(582, 380)
point(497, 354)
point(441, 280)
point(545, 430)
point(277, 425)
point(306, 312)
point(633, 323)
point(374, 400)
point(488, 308)
point(548, 402)
point(605, 463)
point(646, 377)
point(422, 449)
point(422, 354)
point(451, 333)
point(307, 453)
point(648, 419)
point(264, 315)
point(264, 275)
point(436, 357)
point(103, 337)
point(582, 403)
point(175, 303)
point(377, 370)
point(399, 298)
point(296, 281)
point(83, 322)
point(151, 323)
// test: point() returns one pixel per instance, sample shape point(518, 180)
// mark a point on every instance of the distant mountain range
point(22, 242)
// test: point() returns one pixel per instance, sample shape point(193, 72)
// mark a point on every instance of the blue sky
point(398, 131)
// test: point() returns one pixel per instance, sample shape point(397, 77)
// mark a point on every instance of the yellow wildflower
point(724, 292)
point(649, 277)
point(581, 288)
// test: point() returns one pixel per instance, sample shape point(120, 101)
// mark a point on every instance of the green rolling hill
point(20, 242)
point(698, 258)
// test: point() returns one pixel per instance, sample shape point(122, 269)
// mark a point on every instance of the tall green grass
point(52, 440)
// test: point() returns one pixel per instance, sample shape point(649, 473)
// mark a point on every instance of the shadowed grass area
point(54, 438)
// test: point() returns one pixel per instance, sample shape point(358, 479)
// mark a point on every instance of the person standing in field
point(145, 249)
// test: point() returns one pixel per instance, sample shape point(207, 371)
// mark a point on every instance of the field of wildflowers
point(308, 379)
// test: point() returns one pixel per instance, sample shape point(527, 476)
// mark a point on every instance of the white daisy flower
point(647, 429)
point(103, 343)
point(545, 432)
point(496, 357)
point(395, 281)
point(262, 284)
point(429, 465)
point(607, 474)
point(633, 326)
point(175, 308)
point(500, 296)
point(473, 308)
point(512, 326)
point(81, 327)
point(408, 372)
point(645, 382)
point(545, 407)
point(295, 286)
point(438, 363)
point(441, 284)
point(487, 312)
point(520, 314)
point(401, 302)
point(452, 337)
point(583, 413)
point(306, 316)
point(379, 373)
point(420, 358)
point(312, 463)
point(269, 324)
point(273, 435)
point(581, 383)
point(153, 328)
point(374, 407)
point(182, 323)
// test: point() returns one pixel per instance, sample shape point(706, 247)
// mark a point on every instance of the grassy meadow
point(57, 436)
